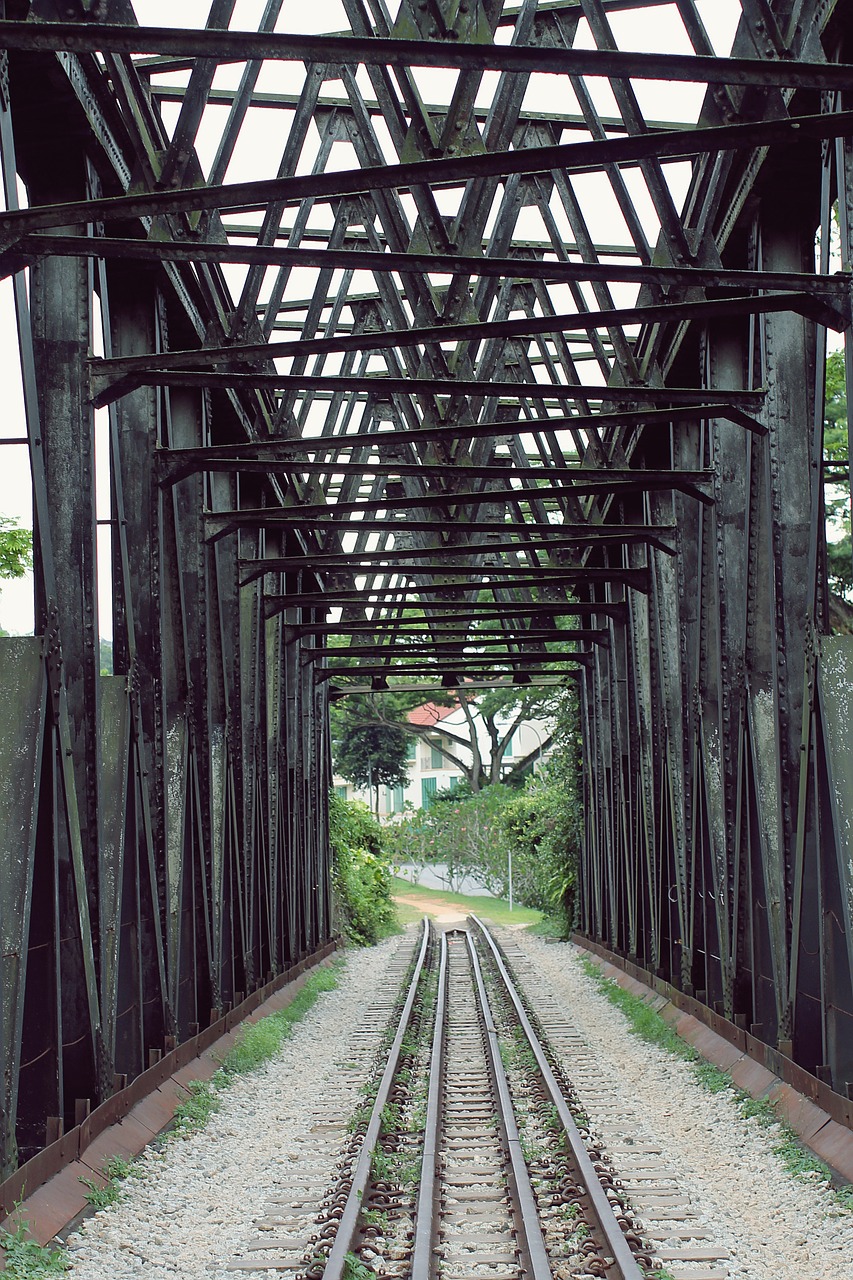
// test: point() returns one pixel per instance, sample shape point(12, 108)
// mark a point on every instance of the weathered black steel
point(522, 266)
point(429, 387)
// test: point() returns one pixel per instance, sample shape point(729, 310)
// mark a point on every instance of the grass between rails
point(647, 1024)
point(496, 909)
point(23, 1259)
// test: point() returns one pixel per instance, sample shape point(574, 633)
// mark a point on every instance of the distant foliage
point(368, 750)
point(16, 549)
point(540, 825)
point(462, 830)
point(361, 872)
point(106, 653)
point(839, 551)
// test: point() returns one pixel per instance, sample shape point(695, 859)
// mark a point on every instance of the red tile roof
point(429, 713)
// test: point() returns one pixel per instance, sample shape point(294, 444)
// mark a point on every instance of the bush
point(542, 824)
point(361, 872)
point(474, 834)
point(461, 829)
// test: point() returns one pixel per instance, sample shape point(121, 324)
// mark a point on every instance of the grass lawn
point(495, 909)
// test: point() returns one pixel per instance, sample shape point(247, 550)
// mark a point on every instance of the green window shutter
point(341, 792)
point(436, 758)
point(412, 749)
point(428, 790)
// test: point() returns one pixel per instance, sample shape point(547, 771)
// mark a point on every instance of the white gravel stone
point(776, 1226)
point(196, 1205)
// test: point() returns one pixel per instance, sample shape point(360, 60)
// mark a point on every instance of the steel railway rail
point(476, 1206)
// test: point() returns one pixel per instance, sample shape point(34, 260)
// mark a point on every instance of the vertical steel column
point(129, 304)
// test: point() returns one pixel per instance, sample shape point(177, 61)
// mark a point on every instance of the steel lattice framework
point(424, 322)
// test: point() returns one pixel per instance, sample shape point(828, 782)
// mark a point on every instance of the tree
point(16, 549)
point(499, 712)
point(839, 552)
point(544, 822)
point(512, 707)
point(535, 831)
point(368, 750)
point(461, 830)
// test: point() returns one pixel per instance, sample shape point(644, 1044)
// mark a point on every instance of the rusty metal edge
point(836, 1106)
point(37, 1171)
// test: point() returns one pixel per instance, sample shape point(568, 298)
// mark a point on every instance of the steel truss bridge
point(456, 317)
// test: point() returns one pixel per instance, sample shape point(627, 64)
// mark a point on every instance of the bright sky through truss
point(655, 29)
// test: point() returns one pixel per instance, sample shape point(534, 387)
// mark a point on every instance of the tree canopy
point(360, 721)
point(368, 750)
point(16, 549)
point(532, 833)
point(839, 551)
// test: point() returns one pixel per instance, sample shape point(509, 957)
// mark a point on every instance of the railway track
point(471, 1158)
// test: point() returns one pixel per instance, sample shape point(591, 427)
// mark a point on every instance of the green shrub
point(542, 825)
point(462, 830)
point(475, 834)
point(22, 1258)
point(361, 872)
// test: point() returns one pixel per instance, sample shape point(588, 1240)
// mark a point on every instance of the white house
point(431, 770)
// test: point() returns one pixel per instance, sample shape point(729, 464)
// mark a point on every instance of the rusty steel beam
point(569, 634)
point(835, 314)
point(451, 624)
point(453, 669)
point(521, 267)
point(577, 157)
point(242, 46)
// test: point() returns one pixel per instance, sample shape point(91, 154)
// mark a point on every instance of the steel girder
point(471, 381)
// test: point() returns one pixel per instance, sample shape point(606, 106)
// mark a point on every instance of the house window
point(341, 792)
point(398, 800)
point(436, 758)
point(428, 790)
point(508, 748)
point(412, 749)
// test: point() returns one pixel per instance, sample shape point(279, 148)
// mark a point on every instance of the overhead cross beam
point(133, 370)
point(567, 158)
point(243, 46)
point(384, 385)
point(174, 464)
point(376, 597)
point(595, 635)
point(415, 560)
point(459, 668)
point(531, 626)
point(523, 267)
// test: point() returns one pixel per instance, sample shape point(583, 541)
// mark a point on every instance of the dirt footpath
point(442, 912)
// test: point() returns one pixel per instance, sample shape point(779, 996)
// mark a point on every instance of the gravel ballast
point(201, 1198)
point(775, 1226)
